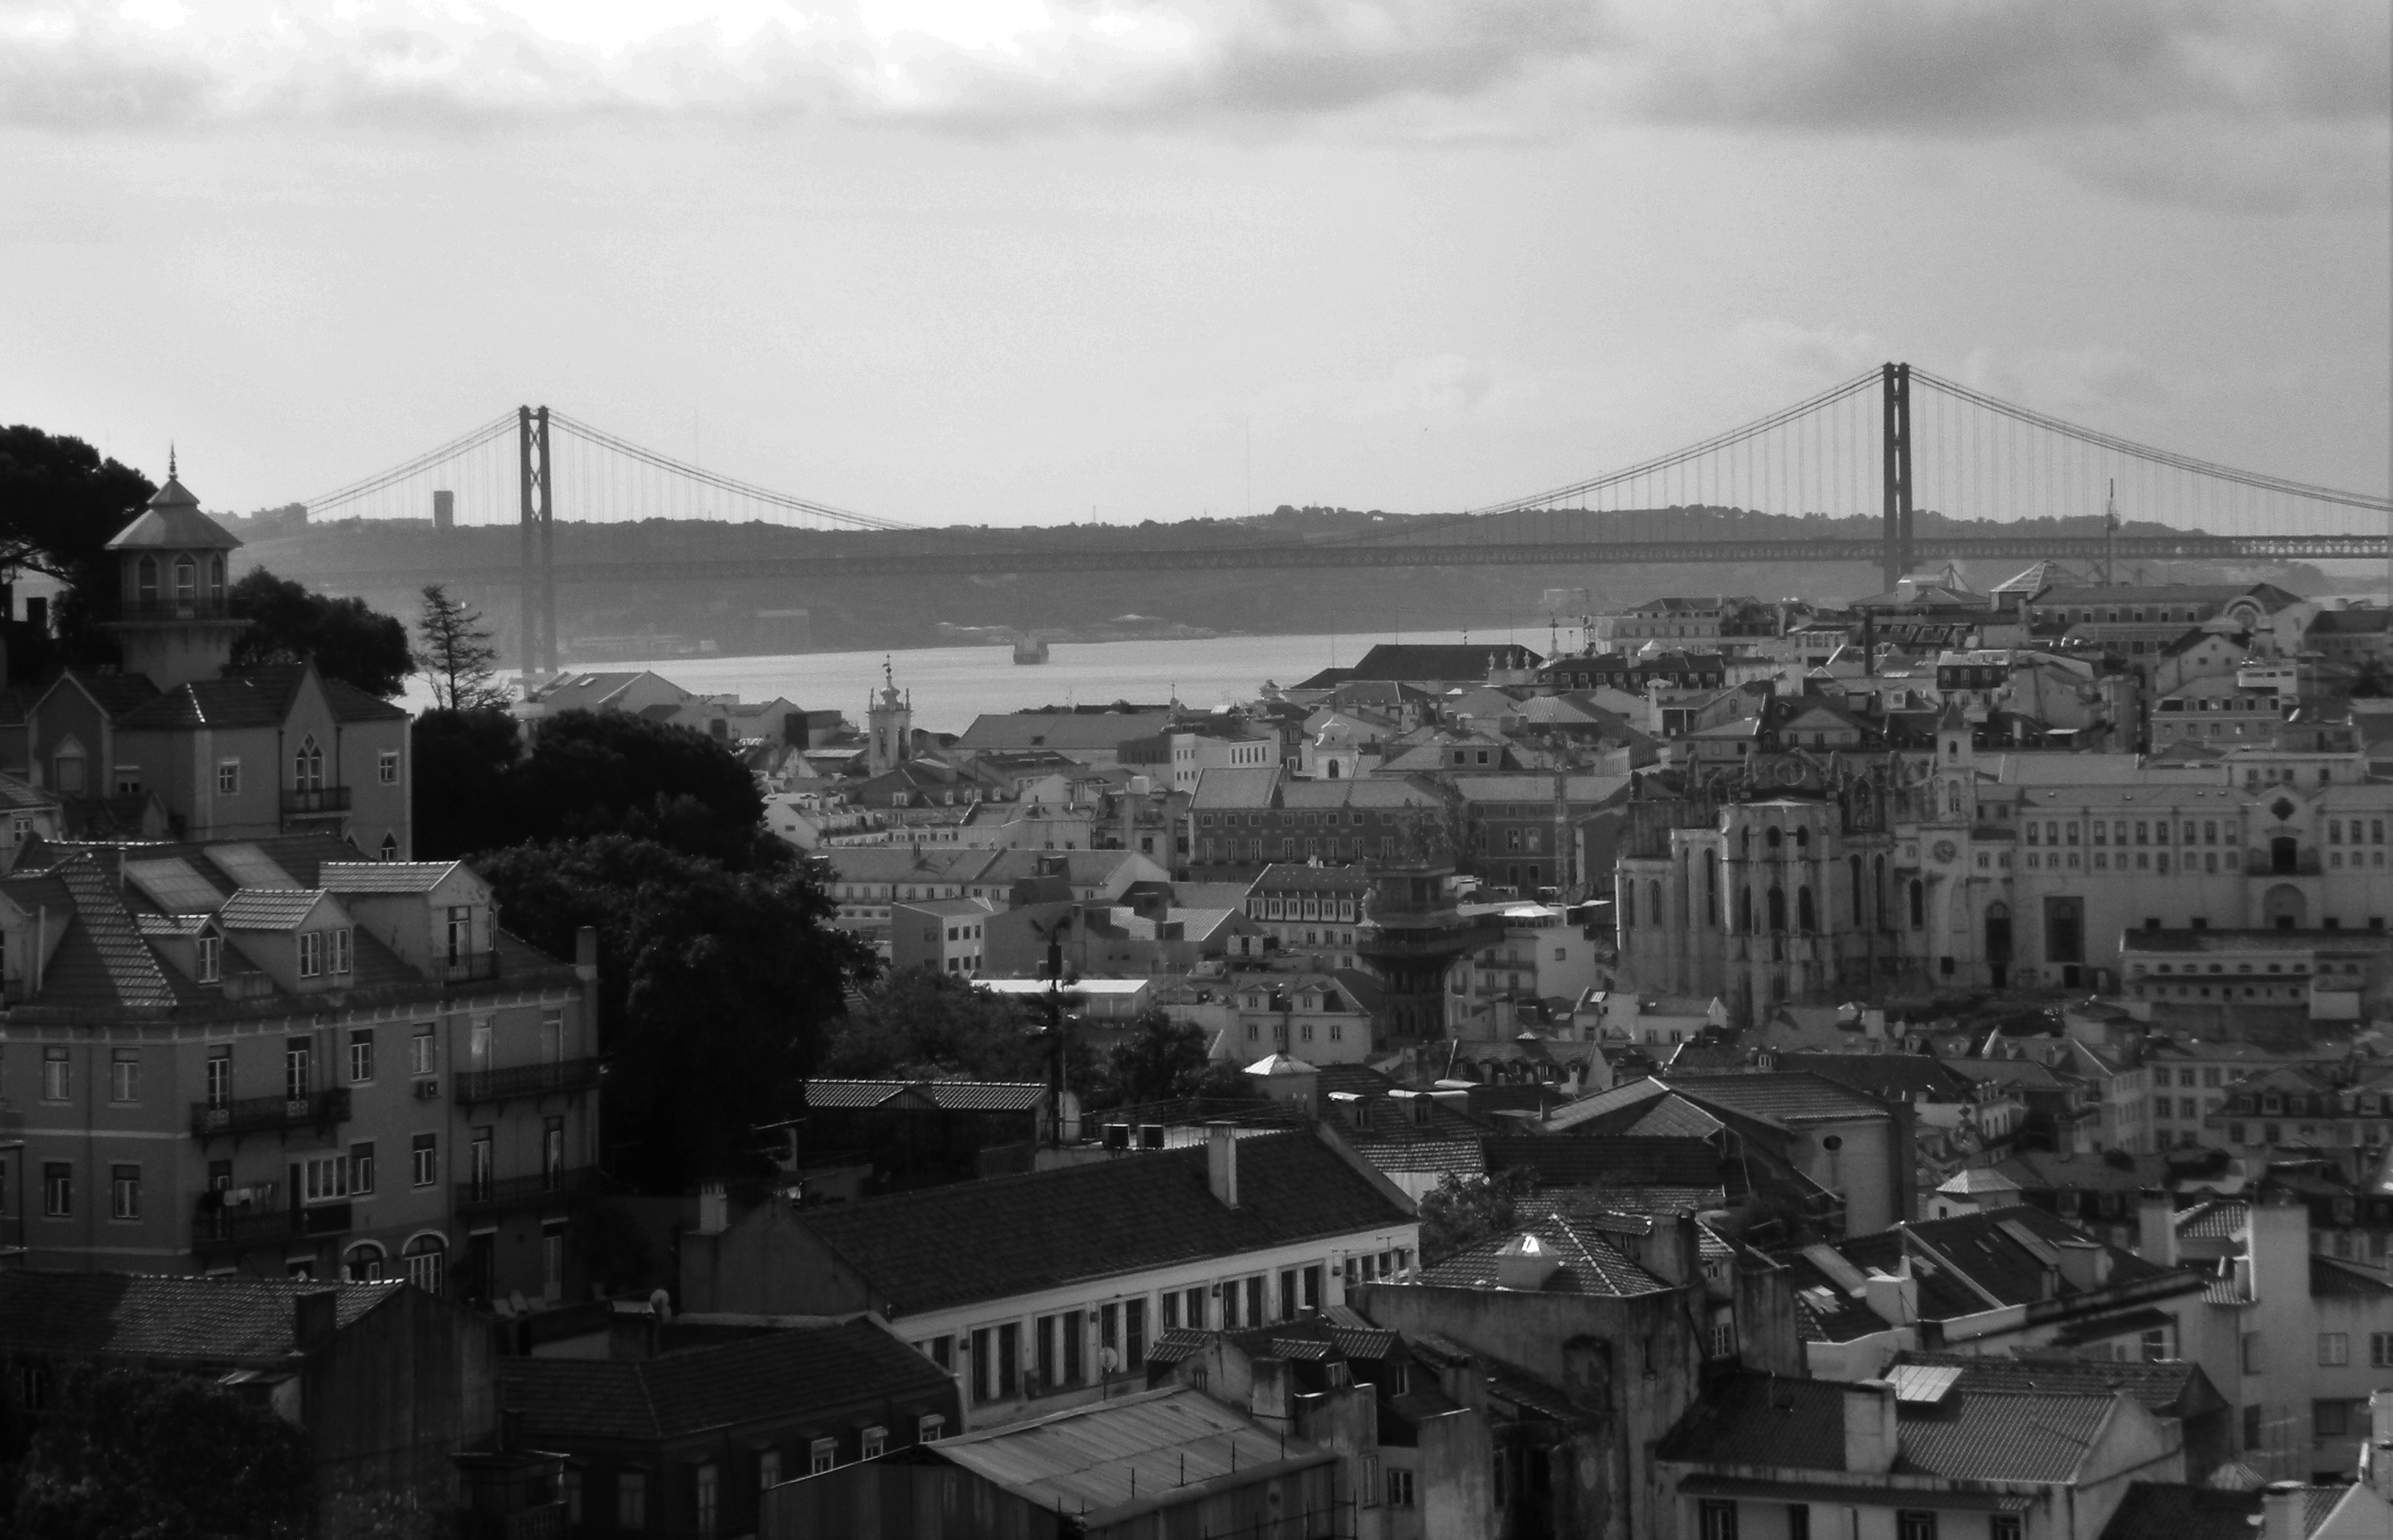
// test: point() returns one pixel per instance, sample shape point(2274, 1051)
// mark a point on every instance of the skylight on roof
point(1923, 1383)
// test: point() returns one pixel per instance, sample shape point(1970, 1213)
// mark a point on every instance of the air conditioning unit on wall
point(428, 1089)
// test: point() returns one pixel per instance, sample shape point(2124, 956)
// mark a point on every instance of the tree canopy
point(289, 622)
point(915, 1024)
point(1458, 1212)
point(126, 1452)
point(61, 503)
point(584, 773)
point(715, 988)
point(457, 654)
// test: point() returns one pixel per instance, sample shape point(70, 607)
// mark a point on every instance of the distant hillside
point(848, 612)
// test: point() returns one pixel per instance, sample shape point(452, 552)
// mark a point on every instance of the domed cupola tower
point(173, 620)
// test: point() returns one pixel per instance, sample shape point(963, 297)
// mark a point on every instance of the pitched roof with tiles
point(2168, 1389)
point(268, 908)
point(102, 960)
point(1609, 1109)
point(2173, 1510)
point(226, 1319)
point(1608, 1160)
point(1009, 1235)
point(385, 876)
point(761, 1379)
point(1876, 1073)
point(115, 694)
point(1977, 1436)
point(1591, 1262)
point(172, 520)
point(1780, 1097)
point(947, 1095)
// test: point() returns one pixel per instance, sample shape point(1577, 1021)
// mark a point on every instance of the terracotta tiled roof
point(776, 1375)
point(1591, 1263)
point(187, 1317)
point(1009, 1235)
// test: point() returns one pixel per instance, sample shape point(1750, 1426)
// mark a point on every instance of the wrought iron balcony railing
point(318, 799)
point(270, 1114)
point(231, 1229)
point(467, 967)
point(496, 1084)
point(491, 1194)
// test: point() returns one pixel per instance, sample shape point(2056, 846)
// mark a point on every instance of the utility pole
point(1895, 386)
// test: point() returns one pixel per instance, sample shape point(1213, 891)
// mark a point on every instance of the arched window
point(145, 579)
point(187, 580)
point(1954, 798)
point(1745, 912)
point(1877, 888)
point(307, 765)
point(1802, 839)
point(1805, 920)
point(1711, 887)
point(1333, 768)
point(1919, 904)
point(1771, 839)
point(1653, 897)
point(1777, 909)
point(427, 1257)
point(216, 576)
point(1628, 906)
point(363, 1263)
point(1853, 866)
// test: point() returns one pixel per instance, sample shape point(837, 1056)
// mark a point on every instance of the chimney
point(315, 1316)
point(1670, 1251)
point(630, 1334)
point(2085, 1265)
point(2281, 1511)
point(2156, 1227)
point(714, 1209)
point(2376, 1459)
point(1222, 1162)
point(1894, 1297)
point(1870, 1441)
point(585, 954)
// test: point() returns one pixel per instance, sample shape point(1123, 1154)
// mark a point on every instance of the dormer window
point(211, 960)
point(311, 954)
point(342, 940)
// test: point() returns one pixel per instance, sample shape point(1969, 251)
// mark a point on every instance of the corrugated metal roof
point(1091, 1460)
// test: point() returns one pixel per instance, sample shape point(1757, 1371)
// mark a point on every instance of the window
point(2380, 1350)
point(311, 954)
point(124, 1192)
point(361, 1167)
point(822, 1456)
point(424, 1053)
point(228, 778)
point(57, 1075)
point(2333, 1349)
point(423, 1160)
point(1400, 1489)
point(307, 765)
point(211, 958)
point(2330, 1419)
point(1715, 1517)
point(57, 1190)
point(876, 1443)
point(324, 1179)
point(426, 1255)
point(341, 939)
point(710, 1498)
point(386, 767)
point(124, 1075)
point(631, 1499)
point(298, 1068)
point(1911, 1524)
point(930, 1428)
point(1799, 1521)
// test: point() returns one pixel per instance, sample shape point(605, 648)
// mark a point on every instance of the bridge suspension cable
point(407, 470)
point(700, 476)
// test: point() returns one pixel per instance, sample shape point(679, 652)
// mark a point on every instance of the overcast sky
point(1009, 260)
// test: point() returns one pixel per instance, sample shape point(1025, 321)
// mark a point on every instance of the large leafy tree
point(916, 1024)
point(608, 772)
point(61, 503)
point(715, 988)
point(289, 622)
point(465, 761)
point(127, 1452)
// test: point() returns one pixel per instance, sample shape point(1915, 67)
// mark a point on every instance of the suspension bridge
point(1896, 466)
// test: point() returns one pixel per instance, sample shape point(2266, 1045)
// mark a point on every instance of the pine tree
point(458, 655)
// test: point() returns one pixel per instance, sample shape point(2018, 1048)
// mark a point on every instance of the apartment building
point(1241, 820)
point(1047, 1290)
point(271, 1058)
point(1310, 909)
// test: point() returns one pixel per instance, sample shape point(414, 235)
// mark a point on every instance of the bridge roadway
point(956, 555)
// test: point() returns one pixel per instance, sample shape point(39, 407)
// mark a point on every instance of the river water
point(951, 685)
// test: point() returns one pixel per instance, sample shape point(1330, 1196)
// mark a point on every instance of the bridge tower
point(1895, 386)
point(538, 646)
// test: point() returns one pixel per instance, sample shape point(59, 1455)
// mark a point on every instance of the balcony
point(311, 800)
point(271, 1114)
point(466, 968)
point(499, 1085)
point(232, 1229)
point(493, 1193)
point(171, 607)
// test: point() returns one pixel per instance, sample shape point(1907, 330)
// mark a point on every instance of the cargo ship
point(1030, 649)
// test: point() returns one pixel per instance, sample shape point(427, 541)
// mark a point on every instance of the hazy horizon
point(1015, 261)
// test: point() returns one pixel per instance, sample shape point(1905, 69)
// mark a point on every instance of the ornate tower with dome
point(174, 623)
